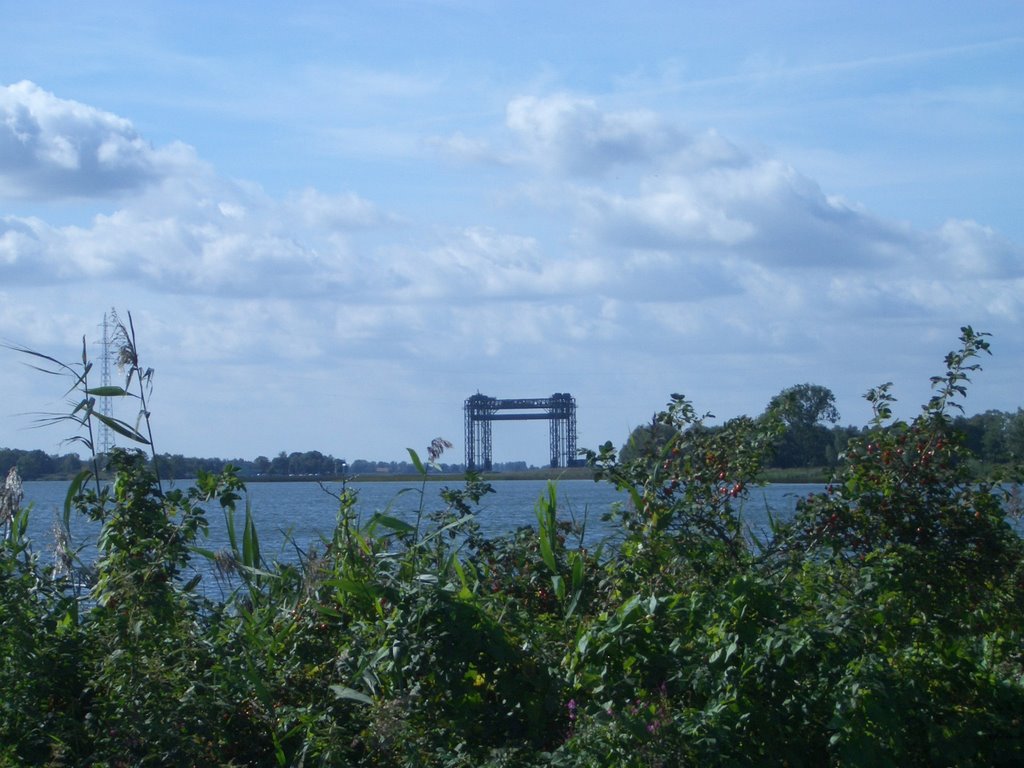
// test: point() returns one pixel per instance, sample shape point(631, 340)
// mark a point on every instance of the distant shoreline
point(796, 476)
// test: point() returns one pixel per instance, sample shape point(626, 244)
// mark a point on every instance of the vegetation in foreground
point(881, 627)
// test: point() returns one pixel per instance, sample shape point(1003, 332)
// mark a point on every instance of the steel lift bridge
point(482, 411)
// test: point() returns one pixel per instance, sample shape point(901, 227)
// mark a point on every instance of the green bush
point(882, 626)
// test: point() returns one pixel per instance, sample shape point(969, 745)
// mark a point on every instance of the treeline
point(993, 437)
point(38, 465)
point(310, 464)
point(35, 465)
point(812, 437)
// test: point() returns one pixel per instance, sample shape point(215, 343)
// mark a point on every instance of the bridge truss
point(482, 411)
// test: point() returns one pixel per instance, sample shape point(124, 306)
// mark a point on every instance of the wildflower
point(571, 706)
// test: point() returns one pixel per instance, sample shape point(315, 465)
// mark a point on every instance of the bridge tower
point(481, 411)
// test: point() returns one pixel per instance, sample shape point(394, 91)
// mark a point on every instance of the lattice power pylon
point(106, 406)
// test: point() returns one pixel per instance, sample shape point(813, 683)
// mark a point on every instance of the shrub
point(882, 626)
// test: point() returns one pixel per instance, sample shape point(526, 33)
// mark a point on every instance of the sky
point(334, 222)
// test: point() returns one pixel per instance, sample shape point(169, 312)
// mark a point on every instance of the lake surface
point(298, 513)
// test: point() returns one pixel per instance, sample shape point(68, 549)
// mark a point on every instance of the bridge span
point(482, 411)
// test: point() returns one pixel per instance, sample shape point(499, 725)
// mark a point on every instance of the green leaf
point(547, 553)
point(576, 561)
point(107, 392)
point(387, 521)
point(730, 650)
point(250, 542)
point(414, 457)
point(625, 613)
point(559, 586)
point(252, 675)
point(120, 427)
point(583, 643)
point(344, 692)
point(229, 521)
point(443, 529)
point(209, 554)
point(465, 593)
point(545, 511)
point(192, 583)
point(357, 588)
point(69, 498)
point(571, 608)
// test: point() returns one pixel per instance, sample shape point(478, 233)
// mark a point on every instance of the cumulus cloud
point(627, 246)
point(691, 192)
point(972, 250)
point(52, 148)
point(319, 211)
point(480, 264)
point(212, 249)
point(686, 216)
point(183, 230)
point(573, 135)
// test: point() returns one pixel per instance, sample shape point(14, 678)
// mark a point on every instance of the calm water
point(298, 514)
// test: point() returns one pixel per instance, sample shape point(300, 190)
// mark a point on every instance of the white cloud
point(55, 148)
point(572, 135)
point(479, 264)
point(971, 250)
point(184, 230)
point(461, 148)
point(640, 253)
point(689, 194)
point(330, 212)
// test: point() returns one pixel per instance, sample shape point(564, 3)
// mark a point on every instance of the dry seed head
point(11, 495)
point(437, 448)
point(63, 559)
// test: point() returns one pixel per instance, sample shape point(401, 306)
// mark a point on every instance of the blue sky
point(334, 222)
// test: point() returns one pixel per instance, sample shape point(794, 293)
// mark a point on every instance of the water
point(290, 515)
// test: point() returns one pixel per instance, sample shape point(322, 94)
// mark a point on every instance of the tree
point(646, 440)
point(805, 405)
point(804, 409)
point(1015, 436)
point(33, 465)
point(279, 466)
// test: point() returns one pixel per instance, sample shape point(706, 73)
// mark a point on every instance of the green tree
point(647, 440)
point(35, 464)
point(1015, 436)
point(985, 434)
point(804, 410)
point(279, 465)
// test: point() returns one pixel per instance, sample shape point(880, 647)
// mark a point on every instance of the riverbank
point(797, 475)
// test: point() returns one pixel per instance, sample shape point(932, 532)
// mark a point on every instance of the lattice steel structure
point(106, 406)
point(482, 411)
